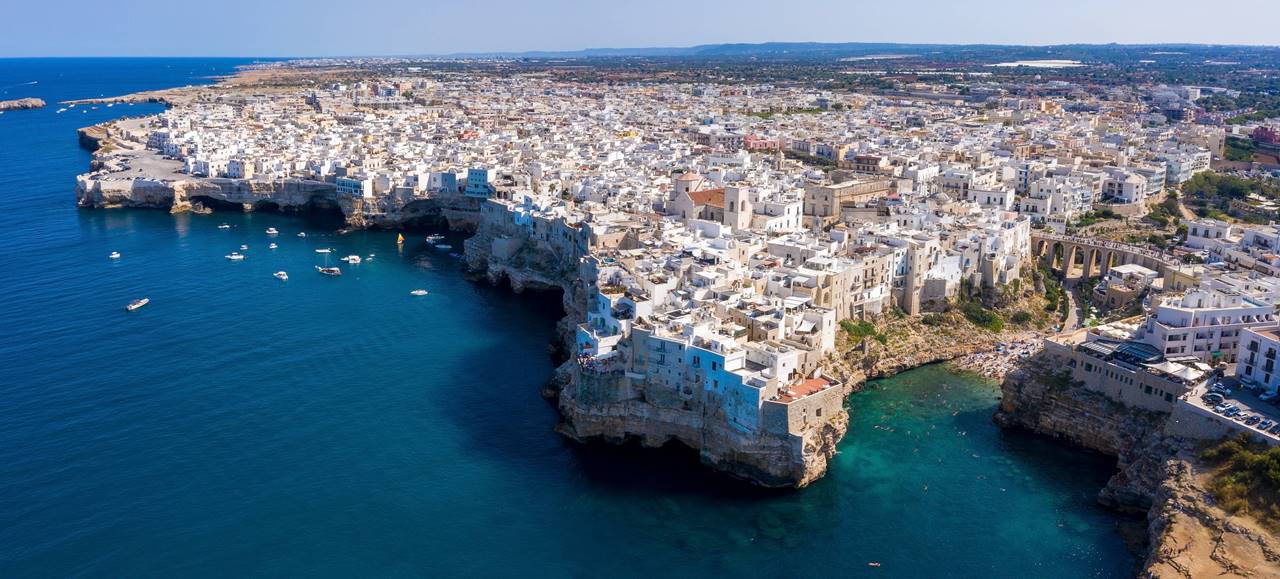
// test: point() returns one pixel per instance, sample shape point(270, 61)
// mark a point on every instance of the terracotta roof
point(712, 197)
point(804, 388)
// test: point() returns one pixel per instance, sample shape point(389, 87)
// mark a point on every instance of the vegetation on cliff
point(1246, 478)
point(972, 322)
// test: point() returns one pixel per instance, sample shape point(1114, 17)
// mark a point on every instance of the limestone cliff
point(1192, 538)
point(1036, 398)
point(1188, 536)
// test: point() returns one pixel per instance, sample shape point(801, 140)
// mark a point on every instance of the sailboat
point(400, 239)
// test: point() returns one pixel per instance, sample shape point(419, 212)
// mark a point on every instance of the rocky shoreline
point(21, 104)
point(1156, 475)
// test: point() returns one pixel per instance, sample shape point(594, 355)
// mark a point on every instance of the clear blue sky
point(381, 27)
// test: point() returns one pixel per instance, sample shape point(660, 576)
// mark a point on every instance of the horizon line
point(572, 51)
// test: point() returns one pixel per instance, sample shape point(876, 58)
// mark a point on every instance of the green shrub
point(982, 317)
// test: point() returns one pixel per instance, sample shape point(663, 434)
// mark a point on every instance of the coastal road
point(1073, 311)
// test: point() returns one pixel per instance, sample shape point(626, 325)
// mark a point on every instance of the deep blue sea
point(240, 425)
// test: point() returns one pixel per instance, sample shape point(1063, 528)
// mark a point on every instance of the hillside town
point(723, 233)
point(735, 256)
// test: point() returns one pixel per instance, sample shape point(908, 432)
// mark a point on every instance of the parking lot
point(1231, 401)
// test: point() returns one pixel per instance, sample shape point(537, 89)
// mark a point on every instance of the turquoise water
point(239, 425)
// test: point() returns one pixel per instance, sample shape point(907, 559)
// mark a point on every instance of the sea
point(240, 425)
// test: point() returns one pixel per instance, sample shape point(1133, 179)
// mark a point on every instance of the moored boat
point(323, 250)
point(114, 255)
point(418, 292)
point(235, 256)
point(272, 231)
point(302, 234)
point(352, 259)
point(272, 246)
point(329, 270)
point(280, 275)
point(224, 226)
point(135, 304)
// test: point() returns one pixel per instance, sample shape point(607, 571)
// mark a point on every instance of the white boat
point(418, 292)
point(444, 246)
point(323, 250)
point(302, 234)
point(63, 110)
point(234, 256)
point(272, 246)
point(434, 238)
point(352, 259)
point(280, 275)
point(135, 304)
point(114, 255)
point(244, 247)
point(224, 226)
point(329, 270)
point(272, 231)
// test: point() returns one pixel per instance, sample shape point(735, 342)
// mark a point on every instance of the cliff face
point(292, 195)
point(1035, 398)
point(1192, 538)
point(1189, 537)
point(603, 405)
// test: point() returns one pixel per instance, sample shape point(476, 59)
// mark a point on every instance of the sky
point(420, 27)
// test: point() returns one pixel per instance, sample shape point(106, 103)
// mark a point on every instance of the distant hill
point(802, 50)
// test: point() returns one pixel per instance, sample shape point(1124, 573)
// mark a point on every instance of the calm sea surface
point(240, 425)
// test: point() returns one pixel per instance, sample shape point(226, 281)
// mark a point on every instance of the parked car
point(1214, 398)
point(1269, 396)
point(1274, 429)
point(1252, 420)
point(1266, 424)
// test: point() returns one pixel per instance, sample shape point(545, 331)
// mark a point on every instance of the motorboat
point(114, 255)
point(352, 259)
point(435, 238)
point(272, 246)
point(272, 231)
point(224, 226)
point(302, 234)
point(329, 270)
point(444, 246)
point(244, 248)
point(280, 275)
point(135, 304)
point(235, 256)
point(418, 292)
point(323, 250)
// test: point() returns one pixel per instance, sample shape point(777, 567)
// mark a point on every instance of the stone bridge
point(1077, 258)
